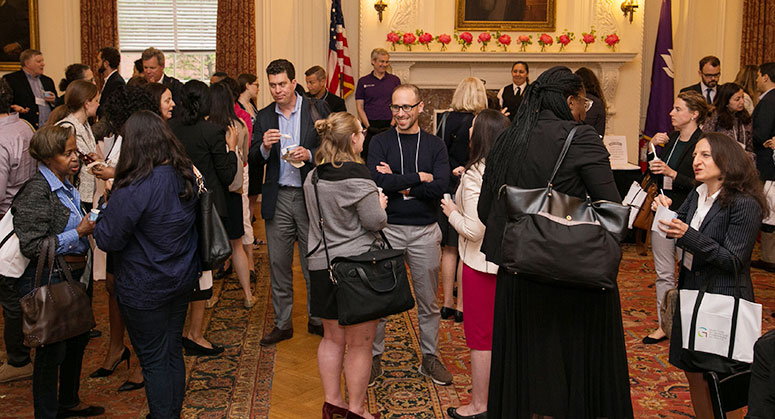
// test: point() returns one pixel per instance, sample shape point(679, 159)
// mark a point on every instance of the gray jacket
point(37, 214)
point(349, 200)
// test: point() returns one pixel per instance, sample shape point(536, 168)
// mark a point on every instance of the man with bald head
point(412, 168)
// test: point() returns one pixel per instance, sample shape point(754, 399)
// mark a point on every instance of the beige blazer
point(466, 220)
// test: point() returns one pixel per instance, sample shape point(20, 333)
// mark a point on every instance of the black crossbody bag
point(371, 285)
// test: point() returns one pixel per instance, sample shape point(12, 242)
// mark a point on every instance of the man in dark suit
point(153, 70)
point(710, 73)
point(510, 96)
point(316, 84)
point(34, 94)
point(763, 146)
point(288, 142)
point(109, 59)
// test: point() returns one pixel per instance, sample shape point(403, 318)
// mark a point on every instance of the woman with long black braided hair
point(557, 352)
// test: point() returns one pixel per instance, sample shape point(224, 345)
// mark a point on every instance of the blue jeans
point(58, 362)
point(156, 336)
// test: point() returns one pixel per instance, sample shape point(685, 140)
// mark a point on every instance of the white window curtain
point(169, 25)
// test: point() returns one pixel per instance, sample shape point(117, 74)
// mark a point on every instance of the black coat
point(111, 84)
point(455, 134)
point(266, 119)
point(176, 88)
point(763, 130)
point(37, 213)
point(205, 145)
point(23, 96)
point(586, 169)
point(335, 103)
point(723, 244)
point(684, 180)
point(695, 87)
point(512, 101)
point(596, 115)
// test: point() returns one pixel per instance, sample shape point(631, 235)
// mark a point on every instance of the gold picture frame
point(18, 31)
point(505, 15)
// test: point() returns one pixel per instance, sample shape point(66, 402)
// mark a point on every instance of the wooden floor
point(296, 387)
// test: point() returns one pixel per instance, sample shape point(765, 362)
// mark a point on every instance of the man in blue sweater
point(412, 168)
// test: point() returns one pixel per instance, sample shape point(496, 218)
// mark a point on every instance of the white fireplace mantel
point(444, 70)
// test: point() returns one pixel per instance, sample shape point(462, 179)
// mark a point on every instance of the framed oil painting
point(18, 31)
point(505, 15)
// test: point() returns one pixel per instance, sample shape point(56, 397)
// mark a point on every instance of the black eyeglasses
point(712, 76)
point(405, 108)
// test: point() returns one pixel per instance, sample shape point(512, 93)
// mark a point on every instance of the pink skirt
point(479, 302)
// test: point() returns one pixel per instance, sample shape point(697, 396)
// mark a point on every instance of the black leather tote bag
point(214, 247)
point(561, 238)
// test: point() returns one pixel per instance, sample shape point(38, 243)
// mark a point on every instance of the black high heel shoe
point(458, 316)
point(103, 372)
point(447, 312)
point(192, 348)
point(129, 386)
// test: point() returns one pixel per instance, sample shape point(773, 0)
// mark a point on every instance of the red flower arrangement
point(588, 38)
point(483, 39)
point(394, 38)
point(524, 41)
point(544, 41)
point(408, 39)
point(503, 40)
point(465, 39)
point(565, 38)
point(424, 38)
point(444, 39)
point(611, 40)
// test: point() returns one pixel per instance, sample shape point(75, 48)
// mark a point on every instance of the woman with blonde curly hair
point(354, 210)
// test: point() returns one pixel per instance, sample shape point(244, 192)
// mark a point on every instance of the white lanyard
point(416, 153)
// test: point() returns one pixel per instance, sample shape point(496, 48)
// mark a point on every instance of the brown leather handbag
point(55, 312)
point(645, 216)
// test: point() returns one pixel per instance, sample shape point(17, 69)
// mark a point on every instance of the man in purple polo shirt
point(372, 97)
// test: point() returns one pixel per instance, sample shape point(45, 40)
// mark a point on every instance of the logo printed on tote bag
point(710, 333)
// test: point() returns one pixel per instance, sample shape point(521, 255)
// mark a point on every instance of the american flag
point(338, 54)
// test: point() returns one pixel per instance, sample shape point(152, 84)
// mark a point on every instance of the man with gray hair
point(33, 93)
point(372, 97)
point(153, 70)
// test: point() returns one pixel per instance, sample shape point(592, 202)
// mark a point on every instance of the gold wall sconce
point(380, 7)
point(628, 7)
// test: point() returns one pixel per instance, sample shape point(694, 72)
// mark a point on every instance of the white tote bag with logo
point(720, 324)
point(12, 261)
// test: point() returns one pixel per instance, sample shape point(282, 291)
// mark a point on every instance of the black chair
point(728, 393)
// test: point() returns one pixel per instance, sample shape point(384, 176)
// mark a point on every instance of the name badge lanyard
point(416, 153)
point(667, 182)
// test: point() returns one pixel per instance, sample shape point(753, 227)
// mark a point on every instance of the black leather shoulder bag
point(562, 239)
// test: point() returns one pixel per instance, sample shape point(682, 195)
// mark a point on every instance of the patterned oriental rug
point(238, 383)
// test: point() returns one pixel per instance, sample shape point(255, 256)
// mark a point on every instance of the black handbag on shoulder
point(561, 238)
point(214, 247)
point(369, 286)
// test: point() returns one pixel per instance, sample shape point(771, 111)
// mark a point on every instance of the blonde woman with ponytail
point(354, 210)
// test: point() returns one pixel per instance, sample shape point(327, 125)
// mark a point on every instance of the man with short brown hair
point(316, 88)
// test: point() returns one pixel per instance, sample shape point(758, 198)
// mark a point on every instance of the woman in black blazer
point(213, 152)
point(548, 338)
point(674, 175)
point(716, 227)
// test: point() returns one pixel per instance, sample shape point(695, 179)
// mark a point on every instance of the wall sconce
point(380, 7)
point(628, 7)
